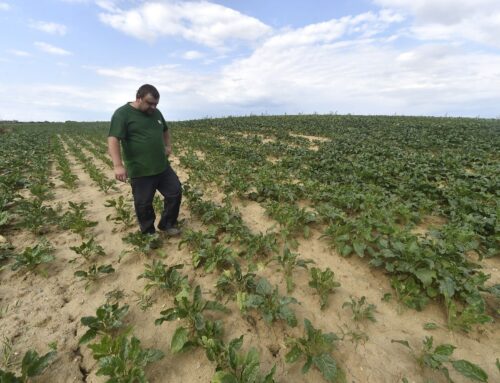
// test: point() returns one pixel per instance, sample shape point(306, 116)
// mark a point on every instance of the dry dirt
point(37, 310)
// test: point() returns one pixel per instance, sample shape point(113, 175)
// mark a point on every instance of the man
point(145, 139)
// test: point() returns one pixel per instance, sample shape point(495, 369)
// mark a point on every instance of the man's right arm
point(114, 152)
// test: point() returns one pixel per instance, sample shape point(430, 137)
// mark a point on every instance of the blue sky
point(81, 59)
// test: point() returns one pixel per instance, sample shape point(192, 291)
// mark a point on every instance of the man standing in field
point(145, 139)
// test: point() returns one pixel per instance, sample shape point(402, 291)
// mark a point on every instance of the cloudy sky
point(81, 59)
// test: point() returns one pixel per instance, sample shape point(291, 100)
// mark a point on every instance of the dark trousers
point(143, 190)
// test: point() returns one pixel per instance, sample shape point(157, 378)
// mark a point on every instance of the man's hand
point(168, 150)
point(120, 173)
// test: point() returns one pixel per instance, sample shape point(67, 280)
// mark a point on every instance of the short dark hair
point(146, 89)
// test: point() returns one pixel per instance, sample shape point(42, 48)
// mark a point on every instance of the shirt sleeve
point(118, 126)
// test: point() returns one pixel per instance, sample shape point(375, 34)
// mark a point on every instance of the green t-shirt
point(141, 137)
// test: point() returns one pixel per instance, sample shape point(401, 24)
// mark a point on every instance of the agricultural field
point(314, 248)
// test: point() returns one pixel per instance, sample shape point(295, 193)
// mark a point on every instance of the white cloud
point(48, 48)
point(203, 22)
point(168, 78)
point(473, 20)
point(192, 55)
point(340, 65)
point(4, 6)
point(51, 102)
point(19, 53)
point(52, 28)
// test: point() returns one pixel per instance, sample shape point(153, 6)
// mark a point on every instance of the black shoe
point(173, 231)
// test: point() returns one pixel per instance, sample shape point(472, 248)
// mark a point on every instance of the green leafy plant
point(35, 216)
point(31, 257)
point(108, 319)
point(5, 252)
point(213, 257)
point(94, 273)
point(123, 213)
point(32, 365)
point(465, 319)
point(89, 249)
point(434, 358)
point(198, 239)
point(361, 309)
point(317, 349)
point(259, 245)
point(159, 276)
point(143, 243)
point(288, 262)
point(74, 219)
point(324, 282)
point(42, 191)
point(4, 218)
point(123, 359)
point(292, 218)
point(191, 310)
point(269, 303)
point(241, 367)
point(233, 281)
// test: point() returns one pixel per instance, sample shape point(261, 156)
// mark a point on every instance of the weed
point(361, 310)
point(324, 282)
point(288, 262)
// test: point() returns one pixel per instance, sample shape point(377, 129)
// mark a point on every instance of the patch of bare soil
point(427, 223)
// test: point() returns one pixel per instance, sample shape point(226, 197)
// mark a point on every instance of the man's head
point(147, 98)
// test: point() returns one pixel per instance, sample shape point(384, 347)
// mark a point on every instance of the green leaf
point(447, 287)
point(152, 355)
point(359, 248)
point(88, 336)
point(179, 339)
point(224, 377)
point(9, 377)
point(430, 326)
point(470, 370)
point(425, 276)
point(327, 365)
point(264, 287)
point(346, 250)
point(444, 350)
point(293, 354)
point(269, 377)
point(33, 365)
point(307, 365)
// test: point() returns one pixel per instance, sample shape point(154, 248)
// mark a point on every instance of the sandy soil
point(37, 310)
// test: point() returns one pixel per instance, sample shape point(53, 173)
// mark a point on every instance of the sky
point(82, 59)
